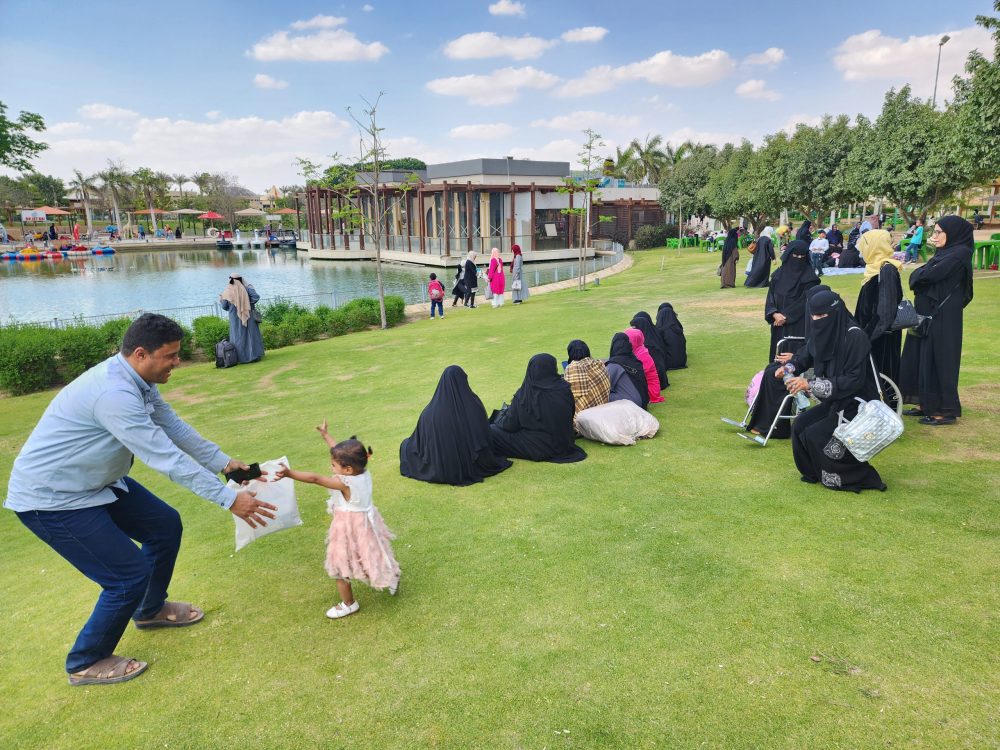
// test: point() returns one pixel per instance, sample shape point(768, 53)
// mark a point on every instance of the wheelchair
point(789, 409)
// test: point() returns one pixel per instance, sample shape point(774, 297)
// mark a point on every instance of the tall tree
point(147, 184)
point(115, 183)
point(179, 180)
point(17, 148)
point(680, 188)
point(86, 186)
point(977, 105)
point(654, 156)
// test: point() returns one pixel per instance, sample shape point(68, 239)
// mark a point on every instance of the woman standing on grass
point(518, 286)
point(785, 308)
point(878, 301)
point(942, 288)
point(762, 259)
point(838, 352)
point(240, 299)
point(496, 279)
point(730, 254)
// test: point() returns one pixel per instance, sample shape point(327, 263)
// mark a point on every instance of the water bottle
point(801, 399)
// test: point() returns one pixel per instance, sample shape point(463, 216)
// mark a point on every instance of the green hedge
point(209, 330)
point(28, 358)
point(651, 236)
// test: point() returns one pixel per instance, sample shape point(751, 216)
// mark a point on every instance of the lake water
point(186, 283)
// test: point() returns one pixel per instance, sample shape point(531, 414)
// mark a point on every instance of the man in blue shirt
point(70, 486)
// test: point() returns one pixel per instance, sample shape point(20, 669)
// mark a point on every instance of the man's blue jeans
point(440, 307)
point(98, 542)
point(816, 259)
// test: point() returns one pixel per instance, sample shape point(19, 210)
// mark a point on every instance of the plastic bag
point(873, 429)
point(616, 423)
point(281, 493)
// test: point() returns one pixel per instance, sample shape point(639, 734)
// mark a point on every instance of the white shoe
point(342, 610)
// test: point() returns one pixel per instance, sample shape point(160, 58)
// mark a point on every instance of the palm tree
point(149, 185)
point(625, 165)
point(654, 156)
point(203, 180)
point(179, 180)
point(85, 186)
point(115, 185)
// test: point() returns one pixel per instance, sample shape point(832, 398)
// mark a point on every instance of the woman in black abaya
point(785, 308)
point(538, 424)
point(805, 232)
point(654, 343)
point(730, 254)
point(838, 351)
point(668, 325)
point(772, 392)
point(451, 443)
point(942, 287)
point(762, 259)
point(623, 356)
point(879, 300)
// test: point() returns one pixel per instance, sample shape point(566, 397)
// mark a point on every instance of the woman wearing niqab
point(730, 254)
point(653, 342)
point(668, 325)
point(762, 259)
point(785, 307)
point(538, 424)
point(239, 299)
point(838, 351)
point(451, 442)
point(624, 358)
point(804, 232)
point(942, 287)
point(879, 300)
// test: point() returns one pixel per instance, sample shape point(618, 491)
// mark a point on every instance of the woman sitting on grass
point(637, 340)
point(587, 377)
point(451, 442)
point(538, 424)
point(838, 351)
point(359, 543)
point(628, 380)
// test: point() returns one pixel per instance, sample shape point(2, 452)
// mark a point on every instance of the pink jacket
point(495, 276)
point(638, 342)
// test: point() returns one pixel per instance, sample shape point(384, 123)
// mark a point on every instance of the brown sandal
point(107, 671)
point(172, 615)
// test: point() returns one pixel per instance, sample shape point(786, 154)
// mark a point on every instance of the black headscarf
point(804, 234)
point(732, 240)
point(622, 354)
point(810, 293)
point(643, 322)
point(958, 250)
point(668, 325)
point(577, 350)
point(544, 403)
point(827, 335)
point(451, 443)
point(795, 273)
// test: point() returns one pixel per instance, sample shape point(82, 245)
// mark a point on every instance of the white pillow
point(281, 493)
point(616, 423)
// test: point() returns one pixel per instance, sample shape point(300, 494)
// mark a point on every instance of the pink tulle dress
point(359, 543)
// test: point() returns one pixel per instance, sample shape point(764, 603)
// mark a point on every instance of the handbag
point(923, 327)
point(874, 428)
point(906, 316)
point(752, 247)
point(516, 285)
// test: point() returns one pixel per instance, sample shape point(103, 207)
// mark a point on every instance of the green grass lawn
point(687, 592)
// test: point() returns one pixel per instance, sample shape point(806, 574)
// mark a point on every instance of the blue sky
point(244, 87)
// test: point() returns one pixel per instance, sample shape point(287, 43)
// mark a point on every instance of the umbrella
point(250, 212)
point(212, 216)
point(49, 211)
point(182, 212)
point(157, 211)
point(286, 211)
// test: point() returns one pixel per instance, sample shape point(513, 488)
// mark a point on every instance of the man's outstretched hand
point(252, 510)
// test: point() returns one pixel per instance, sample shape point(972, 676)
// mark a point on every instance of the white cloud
point(870, 55)
point(367, 8)
point(663, 69)
point(319, 22)
point(328, 45)
point(579, 120)
point(264, 81)
point(800, 119)
point(483, 132)
point(484, 44)
point(585, 34)
point(769, 57)
point(226, 145)
point(100, 111)
point(499, 87)
point(757, 89)
point(506, 8)
point(213, 114)
point(66, 128)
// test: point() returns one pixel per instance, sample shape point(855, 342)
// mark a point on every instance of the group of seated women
point(455, 443)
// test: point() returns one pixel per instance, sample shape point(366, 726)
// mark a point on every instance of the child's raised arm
point(323, 480)
point(321, 429)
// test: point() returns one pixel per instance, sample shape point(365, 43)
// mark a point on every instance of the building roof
point(513, 167)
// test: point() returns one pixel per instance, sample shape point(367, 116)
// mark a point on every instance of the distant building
point(477, 204)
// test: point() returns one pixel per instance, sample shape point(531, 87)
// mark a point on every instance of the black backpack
point(225, 354)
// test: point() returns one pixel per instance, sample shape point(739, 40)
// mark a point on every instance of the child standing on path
point(435, 290)
point(358, 545)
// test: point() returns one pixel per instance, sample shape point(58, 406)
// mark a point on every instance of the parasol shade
point(156, 211)
point(250, 212)
point(49, 211)
point(286, 211)
point(211, 215)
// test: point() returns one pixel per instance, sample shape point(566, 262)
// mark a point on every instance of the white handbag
point(875, 427)
point(516, 285)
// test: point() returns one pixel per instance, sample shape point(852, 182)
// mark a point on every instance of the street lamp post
point(944, 41)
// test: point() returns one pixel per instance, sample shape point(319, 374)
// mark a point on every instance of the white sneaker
point(342, 610)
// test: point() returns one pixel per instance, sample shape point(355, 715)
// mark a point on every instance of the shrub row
point(33, 357)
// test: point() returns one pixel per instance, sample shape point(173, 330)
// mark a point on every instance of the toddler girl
point(358, 545)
